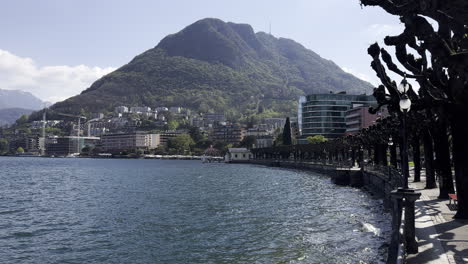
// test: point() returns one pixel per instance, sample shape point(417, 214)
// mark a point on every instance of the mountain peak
point(214, 41)
point(217, 66)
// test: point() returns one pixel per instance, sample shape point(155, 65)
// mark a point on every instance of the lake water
point(158, 211)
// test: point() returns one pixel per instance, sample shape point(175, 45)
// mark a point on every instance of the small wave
point(366, 227)
point(23, 234)
point(11, 211)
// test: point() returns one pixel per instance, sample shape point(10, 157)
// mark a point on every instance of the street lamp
point(405, 103)
point(404, 86)
point(405, 106)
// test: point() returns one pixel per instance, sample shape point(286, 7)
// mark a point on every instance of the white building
point(237, 155)
point(175, 109)
point(140, 109)
point(118, 122)
point(162, 109)
point(264, 141)
point(129, 141)
point(48, 123)
point(161, 117)
point(274, 123)
point(121, 109)
point(256, 132)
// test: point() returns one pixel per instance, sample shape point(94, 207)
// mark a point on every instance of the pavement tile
point(441, 239)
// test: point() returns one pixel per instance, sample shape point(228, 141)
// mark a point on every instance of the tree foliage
point(432, 50)
point(4, 147)
point(196, 135)
point(20, 150)
point(22, 120)
point(181, 143)
point(172, 125)
point(316, 139)
point(287, 137)
point(248, 142)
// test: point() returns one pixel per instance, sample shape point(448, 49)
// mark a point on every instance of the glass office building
point(325, 114)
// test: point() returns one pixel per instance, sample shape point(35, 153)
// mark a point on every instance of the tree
point(172, 125)
point(54, 131)
point(261, 109)
point(4, 146)
point(278, 141)
point(86, 149)
point(316, 139)
point(22, 120)
point(248, 141)
point(196, 135)
point(222, 146)
point(287, 139)
point(19, 150)
point(438, 64)
point(96, 150)
point(148, 124)
point(181, 143)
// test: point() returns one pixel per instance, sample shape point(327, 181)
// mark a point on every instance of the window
point(243, 155)
point(235, 155)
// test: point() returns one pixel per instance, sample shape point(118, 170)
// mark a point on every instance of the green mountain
point(213, 66)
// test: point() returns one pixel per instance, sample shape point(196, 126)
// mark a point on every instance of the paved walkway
point(441, 239)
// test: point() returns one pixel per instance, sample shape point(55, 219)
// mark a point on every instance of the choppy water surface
point(151, 211)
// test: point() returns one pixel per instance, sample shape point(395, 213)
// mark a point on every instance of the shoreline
point(154, 157)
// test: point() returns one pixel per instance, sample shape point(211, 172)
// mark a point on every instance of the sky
point(57, 48)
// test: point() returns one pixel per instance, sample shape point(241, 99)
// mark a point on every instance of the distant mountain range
point(14, 103)
point(214, 66)
point(8, 116)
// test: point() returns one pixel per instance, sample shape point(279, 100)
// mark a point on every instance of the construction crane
point(43, 133)
point(78, 128)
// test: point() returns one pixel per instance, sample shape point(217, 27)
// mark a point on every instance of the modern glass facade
point(325, 114)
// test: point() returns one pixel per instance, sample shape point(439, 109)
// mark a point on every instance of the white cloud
point(50, 83)
point(377, 32)
point(361, 76)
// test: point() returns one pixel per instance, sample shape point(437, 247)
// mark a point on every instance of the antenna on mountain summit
point(270, 28)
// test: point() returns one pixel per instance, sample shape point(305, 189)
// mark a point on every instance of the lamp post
point(405, 106)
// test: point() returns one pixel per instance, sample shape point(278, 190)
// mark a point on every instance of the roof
point(233, 150)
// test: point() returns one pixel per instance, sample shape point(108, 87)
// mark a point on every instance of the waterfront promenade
point(441, 239)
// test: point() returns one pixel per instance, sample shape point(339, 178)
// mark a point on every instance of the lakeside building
point(166, 136)
point(325, 114)
point(34, 144)
point(237, 155)
point(228, 133)
point(264, 141)
point(130, 141)
point(359, 117)
point(256, 132)
point(65, 146)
